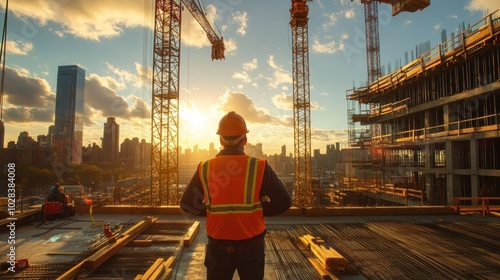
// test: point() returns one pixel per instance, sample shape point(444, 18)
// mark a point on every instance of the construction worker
point(235, 191)
point(61, 195)
point(55, 194)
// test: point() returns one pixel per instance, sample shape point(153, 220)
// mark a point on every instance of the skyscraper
point(68, 135)
point(110, 140)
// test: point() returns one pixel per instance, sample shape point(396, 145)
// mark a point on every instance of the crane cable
point(145, 54)
point(187, 88)
point(3, 50)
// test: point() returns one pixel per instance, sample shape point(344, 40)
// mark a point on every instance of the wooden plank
point(101, 278)
point(167, 271)
point(329, 257)
point(319, 268)
point(102, 255)
point(158, 264)
point(168, 274)
point(170, 261)
point(63, 253)
point(140, 243)
point(105, 253)
point(191, 234)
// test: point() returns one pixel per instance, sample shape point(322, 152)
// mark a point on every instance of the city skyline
point(257, 149)
point(254, 79)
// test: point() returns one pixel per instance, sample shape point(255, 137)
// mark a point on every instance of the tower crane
point(165, 94)
point(372, 32)
point(301, 103)
point(372, 36)
point(301, 88)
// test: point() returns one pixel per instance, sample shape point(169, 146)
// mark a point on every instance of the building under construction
point(431, 129)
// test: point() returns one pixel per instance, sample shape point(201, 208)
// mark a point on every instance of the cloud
point(283, 101)
point(101, 19)
point(482, 5)
point(106, 101)
point(241, 19)
point(28, 115)
point(327, 48)
point(349, 13)
point(243, 105)
point(280, 75)
point(230, 46)
point(250, 66)
point(27, 99)
point(139, 109)
point(242, 76)
point(328, 136)
point(144, 75)
point(106, 19)
point(332, 19)
point(18, 47)
point(24, 91)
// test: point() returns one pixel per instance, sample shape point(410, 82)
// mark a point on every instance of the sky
point(112, 41)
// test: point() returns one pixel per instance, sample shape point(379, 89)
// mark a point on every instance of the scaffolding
point(433, 125)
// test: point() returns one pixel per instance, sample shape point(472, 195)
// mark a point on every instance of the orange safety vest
point(231, 187)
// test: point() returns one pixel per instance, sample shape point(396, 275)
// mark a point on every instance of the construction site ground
point(375, 246)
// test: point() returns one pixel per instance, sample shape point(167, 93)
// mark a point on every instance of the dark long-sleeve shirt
point(277, 200)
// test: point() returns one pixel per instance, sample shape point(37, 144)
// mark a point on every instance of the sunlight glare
point(192, 116)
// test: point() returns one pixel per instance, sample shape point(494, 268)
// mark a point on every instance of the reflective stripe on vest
point(231, 186)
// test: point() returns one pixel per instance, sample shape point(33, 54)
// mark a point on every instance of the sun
point(191, 116)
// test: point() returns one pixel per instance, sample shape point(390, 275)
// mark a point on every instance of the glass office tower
point(68, 134)
point(110, 140)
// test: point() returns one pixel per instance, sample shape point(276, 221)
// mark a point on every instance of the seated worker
point(61, 195)
point(54, 193)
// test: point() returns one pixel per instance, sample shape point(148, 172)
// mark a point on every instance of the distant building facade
point(68, 134)
point(110, 140)
point(135, 154)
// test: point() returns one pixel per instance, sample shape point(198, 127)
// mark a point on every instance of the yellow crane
point(301, 104)
point(165, 95)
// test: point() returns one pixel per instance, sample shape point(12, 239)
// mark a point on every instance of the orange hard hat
point(232, 124)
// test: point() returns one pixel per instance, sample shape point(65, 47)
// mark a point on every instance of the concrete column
point(446, 116)
point(429, 177)
point(449, 172)
point(474, 168)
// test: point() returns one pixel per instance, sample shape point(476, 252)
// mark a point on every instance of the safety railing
point(476, 204)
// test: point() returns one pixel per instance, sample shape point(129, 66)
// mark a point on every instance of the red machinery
point(58, 209)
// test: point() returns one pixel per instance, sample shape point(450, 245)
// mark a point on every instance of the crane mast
point(301, 103)
point(372, 29)
point(372, 39)
point(165, 102)
point(165, 96)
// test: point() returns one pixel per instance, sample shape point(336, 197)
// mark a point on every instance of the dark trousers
point(222, 264)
